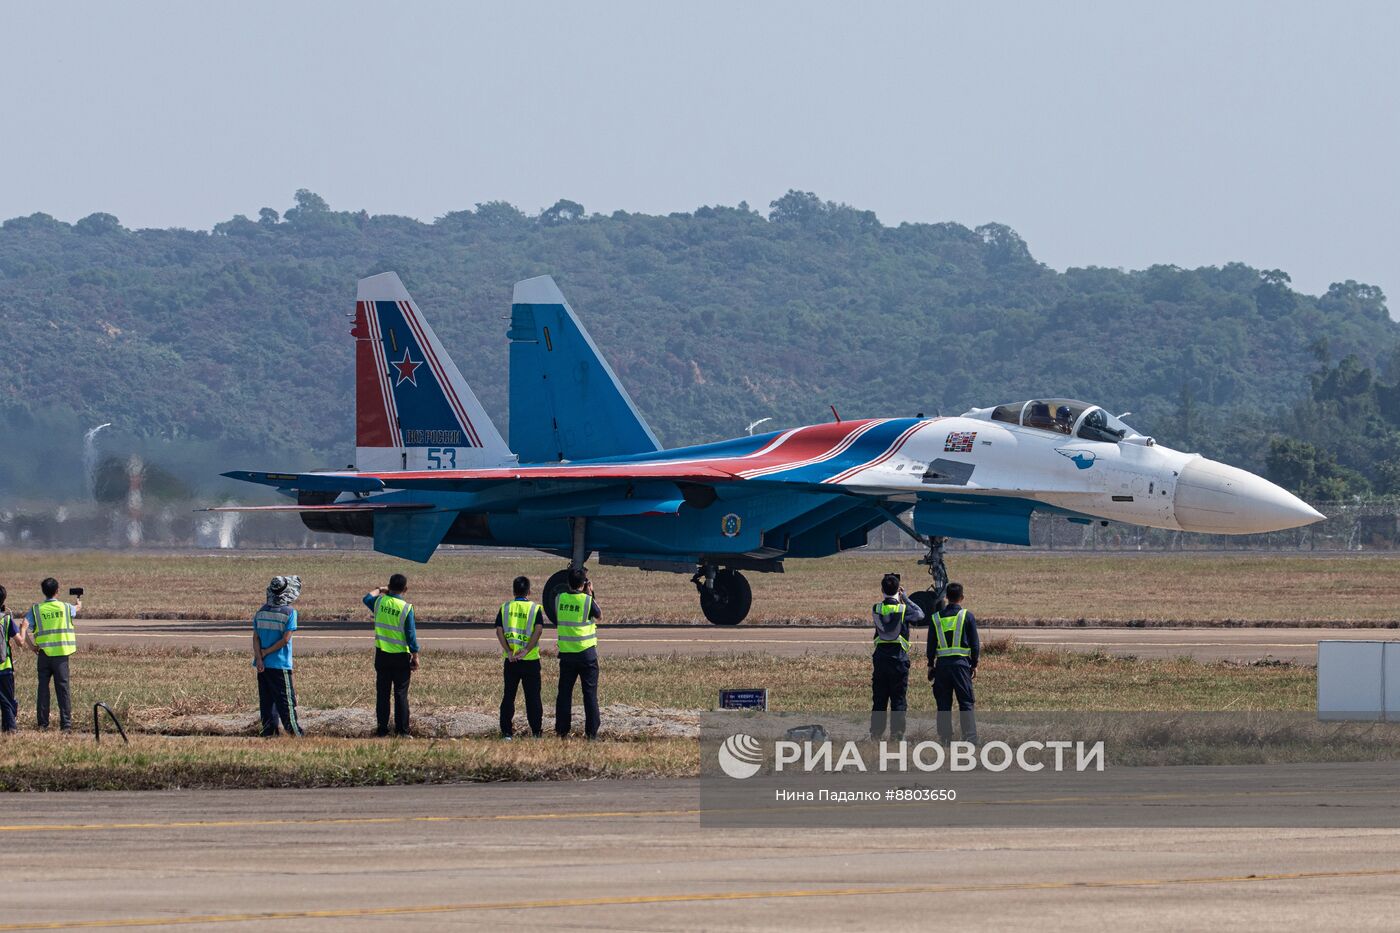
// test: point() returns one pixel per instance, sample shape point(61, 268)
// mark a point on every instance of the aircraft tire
point(729, 602)
point(928, 601)
point(557, 583)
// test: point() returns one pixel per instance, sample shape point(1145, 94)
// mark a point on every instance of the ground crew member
point(953, 648)
point(9, 708)
point(53, 639)
point(518, 628)
point(575, 618)
point(889, 676)
point(395, 652)
point(273, 626)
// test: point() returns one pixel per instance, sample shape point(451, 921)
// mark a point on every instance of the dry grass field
point(33, 761)
point(149, 688)
point(149, 684)
point(1005, 588)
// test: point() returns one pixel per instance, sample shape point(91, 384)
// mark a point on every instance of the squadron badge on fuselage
point(1082, 458)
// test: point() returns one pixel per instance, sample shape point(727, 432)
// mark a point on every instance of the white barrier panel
point(1358, 680)
point(1390, 681)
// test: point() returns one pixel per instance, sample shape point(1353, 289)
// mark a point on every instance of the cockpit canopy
point(1062, 416)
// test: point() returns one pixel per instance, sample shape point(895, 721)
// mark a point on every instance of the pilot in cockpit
point(1064, 419)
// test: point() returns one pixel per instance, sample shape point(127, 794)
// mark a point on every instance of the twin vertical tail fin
point(566, 403)
point(413, 409)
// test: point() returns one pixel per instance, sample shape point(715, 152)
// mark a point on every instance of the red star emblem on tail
point(406, 368)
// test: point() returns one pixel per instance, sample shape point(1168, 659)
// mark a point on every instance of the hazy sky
point(1115, 134)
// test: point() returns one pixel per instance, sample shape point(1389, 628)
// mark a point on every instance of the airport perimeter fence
point(1372, 525)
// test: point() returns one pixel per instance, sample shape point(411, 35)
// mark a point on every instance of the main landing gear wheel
point(725, 596)
point(928, 602)
point(556, 584)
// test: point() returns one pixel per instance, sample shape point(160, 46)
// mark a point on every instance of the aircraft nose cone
point(1220, 499)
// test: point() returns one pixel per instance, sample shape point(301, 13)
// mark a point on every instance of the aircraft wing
point(331, 507)
point(607, 474)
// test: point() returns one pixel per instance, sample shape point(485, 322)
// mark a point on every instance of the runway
point(633, 855)
point(1298, 645)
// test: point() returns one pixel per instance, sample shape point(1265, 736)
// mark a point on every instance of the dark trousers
point(55, 669)
point(277, 698)
point(952, 678)
point(9, 709)
point(572, 668)
point(391, 671)
point(526, 674)
point(889, 689)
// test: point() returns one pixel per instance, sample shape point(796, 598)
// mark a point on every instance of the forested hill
point(230, 348)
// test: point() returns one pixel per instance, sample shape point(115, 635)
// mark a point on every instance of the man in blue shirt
point(395, 652)
point(273, 626)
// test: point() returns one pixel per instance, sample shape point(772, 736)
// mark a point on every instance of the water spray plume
point(90, 457)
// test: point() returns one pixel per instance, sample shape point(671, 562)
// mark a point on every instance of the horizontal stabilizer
point(566, 403)
point(310, 482)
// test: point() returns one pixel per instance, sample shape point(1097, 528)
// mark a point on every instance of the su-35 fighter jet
point(584, 473)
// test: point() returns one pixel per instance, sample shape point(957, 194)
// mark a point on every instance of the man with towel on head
point(273, 626)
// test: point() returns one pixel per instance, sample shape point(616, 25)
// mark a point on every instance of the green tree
point(562, 212)
point(98, 225)
point(308, 206)
point(1273, 295)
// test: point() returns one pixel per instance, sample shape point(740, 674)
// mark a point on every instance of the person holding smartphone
point(53, 640)
point(889, 662)
point(576, 618)
point(395, 652)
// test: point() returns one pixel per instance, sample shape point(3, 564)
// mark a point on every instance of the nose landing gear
point(931, 600)
point(725, 595)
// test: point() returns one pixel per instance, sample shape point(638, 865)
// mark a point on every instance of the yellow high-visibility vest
point(949, 630)
point(53, 628)
point(518, 618)
point(886, 610)
point(390, 620)
point(6, 662)
point(573, 617)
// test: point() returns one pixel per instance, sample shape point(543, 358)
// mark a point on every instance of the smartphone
point(75, 591)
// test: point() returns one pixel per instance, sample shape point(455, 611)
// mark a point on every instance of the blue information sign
point(744, 699)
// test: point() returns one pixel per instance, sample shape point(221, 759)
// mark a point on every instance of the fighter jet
point(584, 473)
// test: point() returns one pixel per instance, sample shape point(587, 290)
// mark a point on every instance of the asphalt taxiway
point(634, 855)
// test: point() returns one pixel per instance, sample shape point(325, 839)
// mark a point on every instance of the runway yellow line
point(682, 898)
